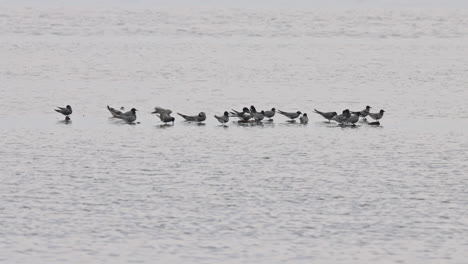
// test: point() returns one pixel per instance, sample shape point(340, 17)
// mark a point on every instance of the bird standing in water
point(66, 111)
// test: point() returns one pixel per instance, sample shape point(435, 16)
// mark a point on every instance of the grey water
point(96, 190)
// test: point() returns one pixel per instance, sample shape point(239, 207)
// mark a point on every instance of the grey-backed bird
point(364, 112)
point(195, 118)
point(304, 119)
point(224, 118)
point(270, 113)
point(377, 116)
point(290, 115)
point(327, 115)
point(342, 118)
point(353, 119)
point(66, 111)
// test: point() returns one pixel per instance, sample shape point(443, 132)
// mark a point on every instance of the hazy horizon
point(249, 4)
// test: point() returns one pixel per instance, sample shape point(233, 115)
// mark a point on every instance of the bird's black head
point(335, 113)
point(245, 110)
point(305, 114)
point(382, 111)
point(226, 113)
point(345, 111)
point(252, 108)
point(273, 109)
point(367, 108)
point(172, 119)
point(299, 112)
point(68, 107)
point(201, 114)
point(133, 110)
point(262, 112)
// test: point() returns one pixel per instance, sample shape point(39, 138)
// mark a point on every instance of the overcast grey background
point(248, 3)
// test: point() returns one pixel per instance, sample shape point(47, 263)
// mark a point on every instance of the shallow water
point(98, 190)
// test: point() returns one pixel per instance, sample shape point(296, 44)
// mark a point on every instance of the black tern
point(195, 118)
point(290, 115)
point(342, 118)
point(364, 112)
point(252, 109)
point(353, 119)
point(327, 115)
point(377, 116)
point(270, 113)
point(116, 113)
point(304, 119)
point(224, 118)
point(129, 116)
point(258, 116)
point(166, 118)
point(243, 116)
point(66, 111)
point(160, 110)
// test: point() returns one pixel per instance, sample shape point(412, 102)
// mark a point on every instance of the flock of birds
point(247, 115)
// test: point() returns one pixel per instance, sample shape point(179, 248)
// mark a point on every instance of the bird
point(243, 116)
point(116, 113)
point(160, 110)
point(66, 111)
point(377, 116)
point(290, 115)
point(166, 118)
point(270, 113)
point(195, 118)
point(129, 116)
point(353, 119)
point(224, 118)
point(304, 119)
point(341, 118)
point(364, 112)
point(258, 116)
point(327, 115)
point(252, 109)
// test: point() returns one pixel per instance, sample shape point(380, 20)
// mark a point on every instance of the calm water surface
point(100, 191)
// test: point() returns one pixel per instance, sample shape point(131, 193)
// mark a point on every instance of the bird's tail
point(318, 112)
point(182, 115)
